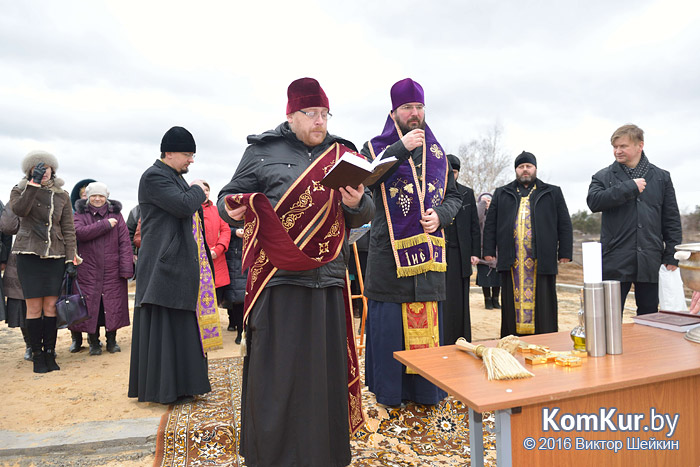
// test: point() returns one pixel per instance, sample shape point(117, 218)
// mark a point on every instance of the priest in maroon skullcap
point(405, 281)
point(301, 387)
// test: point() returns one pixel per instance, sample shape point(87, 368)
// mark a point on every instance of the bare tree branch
point(484, 162)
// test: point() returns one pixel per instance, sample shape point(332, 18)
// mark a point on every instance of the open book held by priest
point(353, 170)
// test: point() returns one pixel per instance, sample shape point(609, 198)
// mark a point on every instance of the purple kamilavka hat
point(406, 91)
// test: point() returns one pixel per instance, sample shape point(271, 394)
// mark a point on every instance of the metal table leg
point(476, 439)
point(504, 456)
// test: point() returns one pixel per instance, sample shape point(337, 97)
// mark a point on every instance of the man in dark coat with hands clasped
point(641, 225)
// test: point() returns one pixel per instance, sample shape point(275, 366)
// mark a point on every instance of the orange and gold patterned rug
point(206, 432)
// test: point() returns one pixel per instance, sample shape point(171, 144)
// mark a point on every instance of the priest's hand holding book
point(354, 171)
point(352, 196)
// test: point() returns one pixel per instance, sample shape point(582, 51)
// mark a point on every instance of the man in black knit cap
point(173, 317)
point(529, 223)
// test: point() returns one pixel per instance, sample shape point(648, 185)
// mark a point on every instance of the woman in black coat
point(487, 276)
point(13, 297)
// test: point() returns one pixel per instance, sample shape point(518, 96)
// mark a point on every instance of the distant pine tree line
point(589, 223)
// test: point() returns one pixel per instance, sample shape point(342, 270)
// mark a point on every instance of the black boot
point(235, 317)
point(50, 333)
point(76, 344)
point(496, 292)
point(231, 318)
point(94, 340)
point(35, 329)
point(112, 345)
point(27, 343)
point(488, 304)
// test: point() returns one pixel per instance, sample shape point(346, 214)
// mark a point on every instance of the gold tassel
point(410, 241)
point(439, 241)
point(407, 271)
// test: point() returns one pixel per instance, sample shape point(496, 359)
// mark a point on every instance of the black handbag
point(71, 308)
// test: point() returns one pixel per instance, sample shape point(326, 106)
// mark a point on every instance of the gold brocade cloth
point(207, 309)
point(524, 270)
point(421, 329)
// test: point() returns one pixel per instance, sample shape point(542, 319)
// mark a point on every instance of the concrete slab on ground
point(88, 436)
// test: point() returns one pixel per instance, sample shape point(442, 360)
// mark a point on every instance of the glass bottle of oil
point(578, 333)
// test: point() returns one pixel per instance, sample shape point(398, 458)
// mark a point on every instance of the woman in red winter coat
point(105, 247)
point(218, 235)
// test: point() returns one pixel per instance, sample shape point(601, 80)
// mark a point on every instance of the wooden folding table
point(657, 374)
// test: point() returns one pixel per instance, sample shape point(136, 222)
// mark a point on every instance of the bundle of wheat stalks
point(499, 361)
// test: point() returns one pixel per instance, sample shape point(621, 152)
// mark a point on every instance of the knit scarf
point(640, 170)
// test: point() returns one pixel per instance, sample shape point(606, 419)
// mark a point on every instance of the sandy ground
point(94, 388)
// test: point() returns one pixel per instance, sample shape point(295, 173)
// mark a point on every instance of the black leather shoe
point(488, 304)
point(112, 345)
point(75, 347)
point(28, 353)
point(95, 344)
point(496, 305)
point(76, 344)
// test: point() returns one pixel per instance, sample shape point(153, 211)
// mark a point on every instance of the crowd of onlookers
point(83, 237)
point(88, 238)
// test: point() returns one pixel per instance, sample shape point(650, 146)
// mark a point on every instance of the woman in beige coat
point(45, 248)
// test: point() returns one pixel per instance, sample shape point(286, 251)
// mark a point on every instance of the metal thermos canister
point(594, 311)
point(613, 317)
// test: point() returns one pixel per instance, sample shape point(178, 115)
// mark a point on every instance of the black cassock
point(166, 355)
point(294, 405)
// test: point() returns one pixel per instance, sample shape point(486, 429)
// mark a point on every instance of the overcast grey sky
point(98, 82)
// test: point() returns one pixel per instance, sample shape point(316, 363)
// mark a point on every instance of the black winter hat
point(525, 158)
point(75, 192)
point(455, 163)
point(178, 139)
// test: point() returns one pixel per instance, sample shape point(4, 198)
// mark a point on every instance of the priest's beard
point(411, 124)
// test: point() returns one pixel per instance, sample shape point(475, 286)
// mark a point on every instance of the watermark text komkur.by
point(608, 419)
